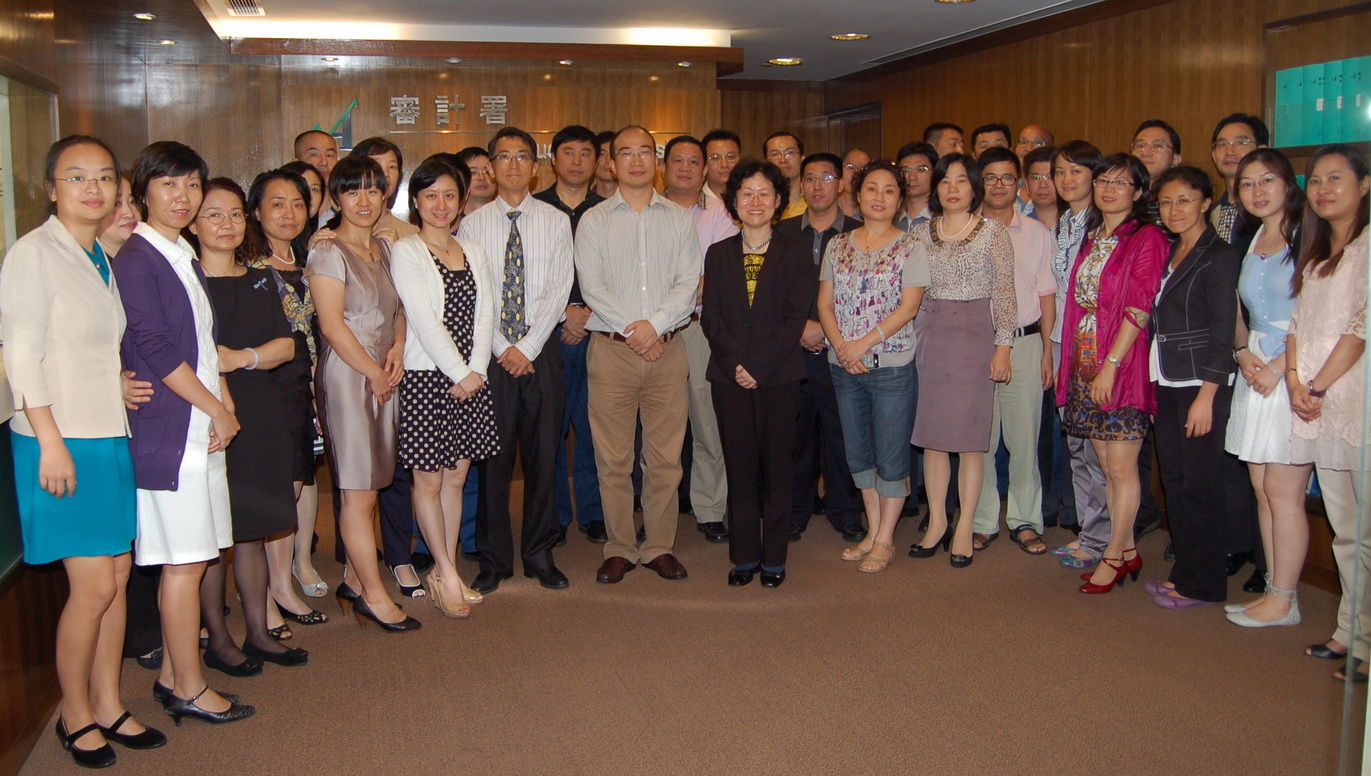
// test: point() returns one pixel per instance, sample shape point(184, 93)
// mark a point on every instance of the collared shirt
point(712, 223)
point(907, 224)
point(402, 227)
point(638, 266)
point(1034, 248)
point(1224, 218)
point(546, 235)
point(1070, 235)
point(1024, 206)
point(549, 195)
point(795, 208)
point(804, 232)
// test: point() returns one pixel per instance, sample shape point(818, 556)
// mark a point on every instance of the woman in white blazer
point(63, 321)
point(446, 416)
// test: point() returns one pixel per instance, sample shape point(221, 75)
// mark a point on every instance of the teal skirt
point(100, 518)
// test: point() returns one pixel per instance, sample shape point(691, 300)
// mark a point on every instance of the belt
point(1032, 328)
point(669, 336)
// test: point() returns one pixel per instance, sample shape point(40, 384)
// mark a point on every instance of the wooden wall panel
point(26, 41)
point(757, 112)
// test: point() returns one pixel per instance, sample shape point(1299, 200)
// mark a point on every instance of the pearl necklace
point(958, 235)
point(290, 262)
point(756, 248)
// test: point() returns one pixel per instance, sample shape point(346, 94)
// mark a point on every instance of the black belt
point(665, 338)
point(1032, 328)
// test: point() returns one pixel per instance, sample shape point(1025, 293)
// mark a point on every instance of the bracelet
point(1238, 350)
point(1314, 393)
point(256, 359)
point(1110, 358)
point(881, 332)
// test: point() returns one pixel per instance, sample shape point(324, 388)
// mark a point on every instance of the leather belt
point(665, 338)
point(1032, 328)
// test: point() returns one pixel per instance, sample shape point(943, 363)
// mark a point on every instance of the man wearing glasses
point(1031, 138)
point(786, 152)
point(482, 189)
point(853, 161)
point(915, 163)
point(528, 248)
point(1236, 136)
point(638, 259)
point(1158, 146)
point(722, 151)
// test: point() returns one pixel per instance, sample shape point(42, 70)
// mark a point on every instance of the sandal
point(855, 552)
point(281, 632)
point(1034, 545)
point(1352, 671)
point(312, 617)
point(872, 564)
point(980, 541)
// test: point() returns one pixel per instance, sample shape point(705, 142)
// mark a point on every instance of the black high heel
point(346, 597)
point(150, 738)
point(177, 707)
point(920, 551)
point(162, 694)
point(102, 757)
point(364, 613)
point(960, 561)
point(408, 591)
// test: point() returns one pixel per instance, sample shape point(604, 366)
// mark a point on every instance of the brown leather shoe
point(614, 569)
point(667, 567)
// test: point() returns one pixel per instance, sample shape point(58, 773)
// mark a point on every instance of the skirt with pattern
point(1082, 417)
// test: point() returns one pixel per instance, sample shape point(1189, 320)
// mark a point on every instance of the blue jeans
point(877, 418)
point(575, 415)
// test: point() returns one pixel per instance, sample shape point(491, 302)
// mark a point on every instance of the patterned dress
point(436, 429)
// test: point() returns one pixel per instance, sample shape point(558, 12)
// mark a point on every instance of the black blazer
point(1194, 317)
point(765, 337)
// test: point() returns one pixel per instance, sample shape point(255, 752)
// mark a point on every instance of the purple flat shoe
point(1157, 588)
point(1172, 602)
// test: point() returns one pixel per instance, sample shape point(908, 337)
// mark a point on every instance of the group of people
point(827, 330)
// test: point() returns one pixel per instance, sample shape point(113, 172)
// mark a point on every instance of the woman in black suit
point(757, 289)
point(1192, 328)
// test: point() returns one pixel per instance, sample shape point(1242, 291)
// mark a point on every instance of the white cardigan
point(420, 285)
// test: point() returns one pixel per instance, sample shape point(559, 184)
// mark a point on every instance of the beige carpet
point(1000, 668)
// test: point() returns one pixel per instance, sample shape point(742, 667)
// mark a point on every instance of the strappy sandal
point(980, 541)
point(872, 564)
point(855, 552)
point(1034, 545)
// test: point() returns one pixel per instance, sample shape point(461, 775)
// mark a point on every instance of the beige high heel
point(435, 591)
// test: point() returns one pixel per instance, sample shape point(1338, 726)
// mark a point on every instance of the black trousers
point(1193, 472)
point(396, 504)
point(757, 433)
point(143, 632)
point(819, 446)
point(528, 419)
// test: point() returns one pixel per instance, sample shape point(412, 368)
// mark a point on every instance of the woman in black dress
point(254, 339)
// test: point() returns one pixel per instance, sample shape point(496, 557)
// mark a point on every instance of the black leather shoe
point(561, 537)
point(248, 667)
point(715, 532)
point(911, 506)
point(854, 534)
point(820, 508)
point(738, 578)
point(685, 508)
point(960, 561)
point(150, 738)
point(551, 578)
point(162, 694)
point(1236, 561)
point(293, 656)
point(642, 534)
point(796, 533)
point(177, 707)
point(923, 524)
point(101, 757)
point(1169, 554)
point(488, 581)
point(152, 660)
point(1255, 583)
point(474, 556)
point(595, 531)
point(772, 579)
point(637, 503)
point(421, 561)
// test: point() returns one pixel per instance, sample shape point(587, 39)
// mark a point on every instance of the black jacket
point(1194, 318)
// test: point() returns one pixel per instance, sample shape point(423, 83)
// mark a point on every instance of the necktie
point(512, 323)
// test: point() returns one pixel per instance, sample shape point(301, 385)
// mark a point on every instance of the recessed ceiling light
point(684, 63)
point(547, 76)
point(166, 42)
point(453, 61)
point(144, 17)
point(953, 2)
point(654, 78)
point(566, 61)
point(850, 36)
point(786, 61)
point(329, 59)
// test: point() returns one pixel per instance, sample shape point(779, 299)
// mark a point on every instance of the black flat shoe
point(150, 738)
point(162, 694)
point(408, 591)
point(248, 667)
point(177, 707)
point(102, 757)
point(796, 533)
point(960, 561)
point(561, 537)
point(152, 660)
point(1237, 560)
point(364, 613)
point(1350, 672)
point(740, 577)
point(313, 617)
point(1255, 583)
point(1323, 652)
point(715, 532)
point(293, 656)
point(772, 579)
point(551, 577)
point(595, 531)
point(488, 581)
point(854, 534)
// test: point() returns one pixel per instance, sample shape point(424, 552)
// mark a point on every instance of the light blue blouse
point(1264, 288)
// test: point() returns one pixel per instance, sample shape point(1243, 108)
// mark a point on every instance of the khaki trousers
point(708, 481)
point(1018, 413)
point(1342, 500)
point(622, 386)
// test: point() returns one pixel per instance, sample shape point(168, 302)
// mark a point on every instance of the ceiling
point(765, 29)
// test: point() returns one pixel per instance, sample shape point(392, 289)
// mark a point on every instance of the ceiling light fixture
point(684, 63)
point(786, 61)
point(329, 59)
point(850, 36)
point(145, 17)
point(567, 62)
point(454, 61)
point(166, 42)
point(953, 2)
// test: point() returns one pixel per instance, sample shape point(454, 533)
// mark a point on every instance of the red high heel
point(1120, 571)
point(1133, 565)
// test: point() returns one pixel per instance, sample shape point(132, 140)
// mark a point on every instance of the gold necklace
point(869, 239)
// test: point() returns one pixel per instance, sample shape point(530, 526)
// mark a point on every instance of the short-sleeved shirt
point(867, 286)
point(1034, 248)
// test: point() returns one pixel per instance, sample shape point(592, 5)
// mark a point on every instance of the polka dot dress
point(437, 430)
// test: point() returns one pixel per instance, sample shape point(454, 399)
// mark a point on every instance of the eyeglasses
point(1038, 177)
point(217, 218)
point(480, 171)
point(825, 177)
point(920, 169)
point(1178, 202)
point(1036, 142)
point(641, 153)
point(782, 153)
point(505, 157)
point(81, 179)
point(1101, 183)
point(716, 158)
point(756, 196)
point(1264, 183)
point(1156, 146)
point(1006, 179)
point(1224, 145)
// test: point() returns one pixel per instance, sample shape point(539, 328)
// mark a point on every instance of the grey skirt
point(954, 342)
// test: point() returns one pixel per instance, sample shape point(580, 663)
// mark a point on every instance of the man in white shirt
point(916, 162)
point(638, 259)
point(319, 150)
point(528, 248)
point(684, 163)
point(723, 149)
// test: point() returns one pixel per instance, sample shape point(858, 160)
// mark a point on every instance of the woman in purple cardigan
point(1103, 379)
point(180, 434)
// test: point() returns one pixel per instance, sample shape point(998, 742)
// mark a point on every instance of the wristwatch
point(1110, 358)
point(1314, 393)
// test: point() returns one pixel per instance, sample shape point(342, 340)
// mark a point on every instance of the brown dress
point(359, 432)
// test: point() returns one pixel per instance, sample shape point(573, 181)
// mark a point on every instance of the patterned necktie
point(512, 323)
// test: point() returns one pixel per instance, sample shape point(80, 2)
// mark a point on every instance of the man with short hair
point(638, 258)
point(915, 161)
point(1031, 138)
point(1017, 412)
point(605, 183)
point(989, 136)
point(392, 161)
point(723, 148)
point(1236, 136)
point(853, 162)
point(319, 150)
point(529, 253)
point(819, 434)
point(786, 152)
point(944, 137)
point(575, 156)
point(684, 176)
point(482, 189)
point(1042, 202)
point(1157, 145)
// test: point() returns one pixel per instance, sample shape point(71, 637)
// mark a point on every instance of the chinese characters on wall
point(447, 110)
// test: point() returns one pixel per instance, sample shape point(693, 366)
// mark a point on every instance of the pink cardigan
point(1130, 278)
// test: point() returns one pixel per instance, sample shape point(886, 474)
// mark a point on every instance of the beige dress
point(359, 432)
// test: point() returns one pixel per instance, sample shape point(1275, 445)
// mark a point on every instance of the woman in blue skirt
point(62, 325)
